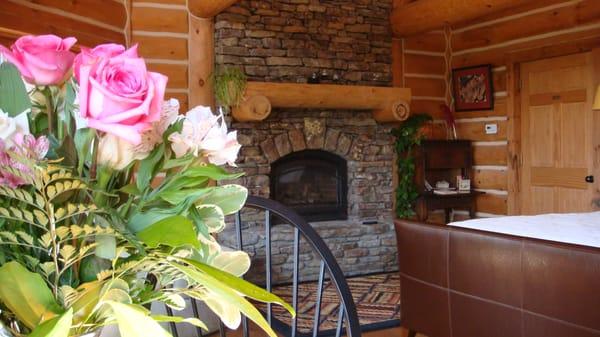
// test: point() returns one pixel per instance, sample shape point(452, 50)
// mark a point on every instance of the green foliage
point(13, 95)
point(26, 295)
point(407, 137)
point(174, 231)
point(56, 327)
point(229, 86)
point(84, 245)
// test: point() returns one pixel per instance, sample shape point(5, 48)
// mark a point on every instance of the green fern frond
point(19, 195)
point(14, 214)
point(73, 210)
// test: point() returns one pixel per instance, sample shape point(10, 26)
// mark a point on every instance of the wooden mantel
point(388, 104)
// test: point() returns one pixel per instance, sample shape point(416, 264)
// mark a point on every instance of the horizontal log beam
point(426, 15)
point(388, 104)
point(208, 8)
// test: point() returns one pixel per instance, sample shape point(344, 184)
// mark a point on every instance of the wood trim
point(513, 112)
point(208, 8)
point(201, 47)
point(563, 177)
point(426, 15)
point(596, 135)
point(572, 96)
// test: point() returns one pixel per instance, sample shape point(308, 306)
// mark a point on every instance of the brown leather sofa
point(467, 283)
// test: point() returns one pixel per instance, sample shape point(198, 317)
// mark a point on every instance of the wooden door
point(556, 135)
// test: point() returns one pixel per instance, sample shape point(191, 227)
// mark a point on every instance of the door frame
point(514, 155)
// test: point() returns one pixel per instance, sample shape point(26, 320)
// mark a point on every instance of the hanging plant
point(229, 85)
point(408, 135)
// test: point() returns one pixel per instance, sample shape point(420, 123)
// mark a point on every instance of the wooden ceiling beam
point(426, 15)
point(208, 8)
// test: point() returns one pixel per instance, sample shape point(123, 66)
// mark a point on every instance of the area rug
point(377, 299)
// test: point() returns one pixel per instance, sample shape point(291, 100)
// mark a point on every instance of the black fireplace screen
point(313, 182)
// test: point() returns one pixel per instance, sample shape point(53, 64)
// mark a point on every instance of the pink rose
point(117, 94)
point(89, 56)
point(43, 59)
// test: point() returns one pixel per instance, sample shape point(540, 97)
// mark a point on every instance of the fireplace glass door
point(313, 182)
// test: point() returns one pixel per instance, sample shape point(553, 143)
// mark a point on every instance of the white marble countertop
point(578, 228)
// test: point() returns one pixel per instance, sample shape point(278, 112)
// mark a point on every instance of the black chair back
point(276, 214)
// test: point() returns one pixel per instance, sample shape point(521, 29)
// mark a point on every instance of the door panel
point(574, 147)
point(556, 135)
point(541, 136)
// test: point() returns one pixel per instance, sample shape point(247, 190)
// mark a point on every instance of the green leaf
point(212, 217)
point(68, 151)
point(89, 294)
point(70, 107)
point(175, 231)
point(177, 162)
point(184, 198)
point(230, 198)
point(211, 171)
point(142, 220)
point(27, 295)
point(176, 319)
point(56, 327)
point(148, 167)
point(83, 141)
point(134, 321)
point(240, 285)
point(175, 302)
point(130, 189)
point(14, 98)
point(227, 295)
point(91, 266)
point(106, 246)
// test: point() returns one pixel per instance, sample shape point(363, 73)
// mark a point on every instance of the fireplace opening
point(312, 182)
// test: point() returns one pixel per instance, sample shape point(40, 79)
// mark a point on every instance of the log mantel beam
point(208, 8)
point(411, 18)
point(387, 104)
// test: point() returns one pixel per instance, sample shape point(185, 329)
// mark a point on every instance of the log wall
point(92, 22)
point(161, 29)
point(524, 34)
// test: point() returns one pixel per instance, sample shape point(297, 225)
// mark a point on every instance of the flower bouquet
point(108, 197)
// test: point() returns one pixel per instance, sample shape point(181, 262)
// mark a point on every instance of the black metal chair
point(276, 214)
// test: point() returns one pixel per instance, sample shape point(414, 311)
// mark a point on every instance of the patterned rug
point(377, 299)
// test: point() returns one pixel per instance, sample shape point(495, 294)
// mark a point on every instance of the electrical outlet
point(491, 129)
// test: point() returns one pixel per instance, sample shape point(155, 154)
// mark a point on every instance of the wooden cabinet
point(438, 160)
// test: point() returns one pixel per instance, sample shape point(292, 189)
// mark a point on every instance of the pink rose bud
point(90, 57)
point(43, 59)
point(117, 94)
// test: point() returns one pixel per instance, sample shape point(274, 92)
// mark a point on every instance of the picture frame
point(473, 88)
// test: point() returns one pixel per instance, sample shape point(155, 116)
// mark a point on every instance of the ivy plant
point(407, 136)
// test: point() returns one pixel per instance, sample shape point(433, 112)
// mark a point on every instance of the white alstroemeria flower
point(205, 134)
point(10, 126)
point(154, 135)
point(196, 125)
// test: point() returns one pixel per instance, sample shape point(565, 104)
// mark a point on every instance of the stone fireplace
point(333, 166)
point(313, 183)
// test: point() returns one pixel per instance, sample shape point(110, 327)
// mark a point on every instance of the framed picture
point(473, 88)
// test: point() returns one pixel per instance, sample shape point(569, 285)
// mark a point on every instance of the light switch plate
point(491, 129)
